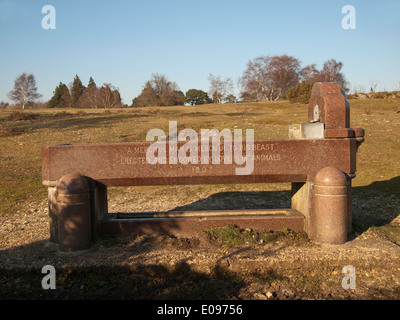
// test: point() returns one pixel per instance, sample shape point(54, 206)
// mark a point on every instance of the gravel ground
point(162, 267)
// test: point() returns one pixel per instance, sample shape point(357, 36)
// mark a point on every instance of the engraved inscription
point(136, 156)
point(202, 170)
point(133, 160)
point(267, 157)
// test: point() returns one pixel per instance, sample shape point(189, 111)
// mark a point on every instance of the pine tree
point(76, 91)
point(91, 83)
point(61, 97)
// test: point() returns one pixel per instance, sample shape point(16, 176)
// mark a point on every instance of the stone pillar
point(98, 206)
point(73, 215)
point(51, 190)
point(330, 206)
point(301, 203)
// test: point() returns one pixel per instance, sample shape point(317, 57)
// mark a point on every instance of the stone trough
point(319, 159)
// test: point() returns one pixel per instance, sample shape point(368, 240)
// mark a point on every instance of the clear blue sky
point(124, 42)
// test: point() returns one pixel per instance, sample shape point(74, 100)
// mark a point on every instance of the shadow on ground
point(155, 281)
point(240, 200)
point(77, 278)
point(71, 121)
point(377, 204)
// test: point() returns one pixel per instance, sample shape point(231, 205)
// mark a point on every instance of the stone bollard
point(330, 206)
point(73, 215)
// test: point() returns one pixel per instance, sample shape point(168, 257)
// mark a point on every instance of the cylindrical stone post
point(330, 206)
point(73, 214)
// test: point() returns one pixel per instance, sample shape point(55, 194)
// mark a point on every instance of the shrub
point(3, 104)
point(378, 95)
point(301, 93)
point(18, 116)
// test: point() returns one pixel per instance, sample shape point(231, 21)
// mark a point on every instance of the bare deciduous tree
point(165, 90)
point(309, 73)
point(330, 72)
point(88, 98)
point(269, 78)
point(255, 81)
point(108, 96)
point(284, 73)
point(25, 90)
point(219, 89)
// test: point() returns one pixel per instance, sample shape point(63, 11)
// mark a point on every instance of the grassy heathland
point(376, 188)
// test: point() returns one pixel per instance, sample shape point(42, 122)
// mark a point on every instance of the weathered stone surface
point(330, 206)
point(329, 105)
point(124, 164)
point(73, 214)
point(316, 154)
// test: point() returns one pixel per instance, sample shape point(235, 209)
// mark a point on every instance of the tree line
point(76, 95)
point(80, 96)
point(271, 78)
point(265, 78)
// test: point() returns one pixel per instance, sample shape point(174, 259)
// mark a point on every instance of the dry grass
point(21, 116)
point(376, 187)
